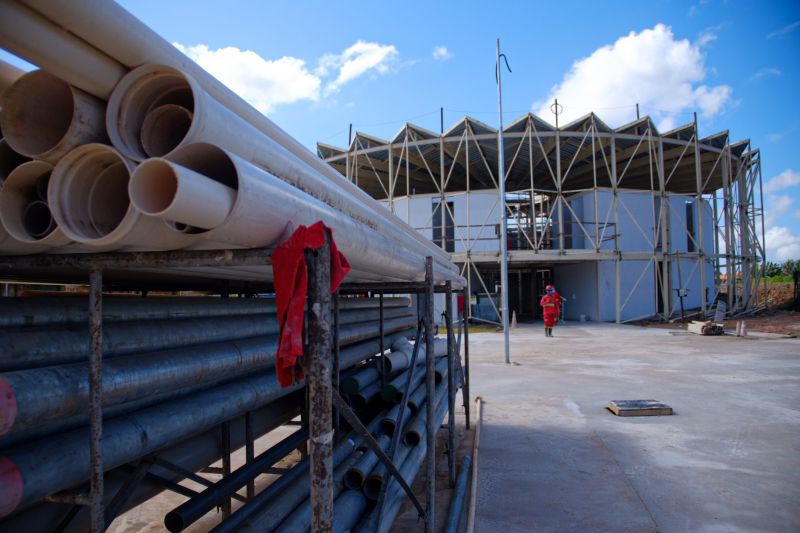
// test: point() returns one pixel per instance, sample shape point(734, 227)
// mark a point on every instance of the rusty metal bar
point(451, 384)
point(465, 385)
point(225, 428)
point(249, 450)
point(188, 474)
point(174, 258)
point(319, 367)
point(96, 490)
point(124, 493)
point(384, 373)
point(430, 368)
point(413, 287)
point(336, 349)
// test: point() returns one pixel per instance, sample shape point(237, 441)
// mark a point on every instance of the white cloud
point(782, 244)
point(359, 59)
point(663, 75)
point(787, 178)
point(262, 82)
point(706, 36)
point(266, 83)
point(441, 53)
point(785, 30)
point(766, 71)
point(776, 206)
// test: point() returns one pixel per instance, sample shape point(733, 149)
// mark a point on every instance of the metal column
point(97, 490)
point(431, 394)
point(319, 365)
point(465, 386)
point(451, 384)
point(501, 180)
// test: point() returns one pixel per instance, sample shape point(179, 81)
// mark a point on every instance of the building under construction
point(630, 223)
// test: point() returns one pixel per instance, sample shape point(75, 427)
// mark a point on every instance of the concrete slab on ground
point(553, 458)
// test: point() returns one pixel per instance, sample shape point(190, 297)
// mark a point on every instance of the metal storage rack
point(325, 405)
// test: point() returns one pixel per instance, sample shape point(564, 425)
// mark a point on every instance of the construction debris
point(708, 327)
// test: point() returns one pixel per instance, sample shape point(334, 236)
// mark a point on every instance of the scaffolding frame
point(547, 166)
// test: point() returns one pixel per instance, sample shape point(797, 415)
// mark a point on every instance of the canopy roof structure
point(586, 148)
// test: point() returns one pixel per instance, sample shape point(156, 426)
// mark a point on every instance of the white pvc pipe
point(266, 209)
point(88, 196)
point(17, 197)
point(110, 28)
point(8, 75)
point(9, 160)
point(184, 197)
point(11, 246)
point(42, 42)
point(139, 96)
point(161, 126)
point(44, 117)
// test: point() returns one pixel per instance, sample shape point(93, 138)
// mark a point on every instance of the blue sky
point(315, 67)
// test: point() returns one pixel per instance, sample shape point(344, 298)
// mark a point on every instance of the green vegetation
point(782, 272)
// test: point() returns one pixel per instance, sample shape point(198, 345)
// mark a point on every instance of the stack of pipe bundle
point(290, 508)
point(150, 152)
point(285, 505)
point(174, 367)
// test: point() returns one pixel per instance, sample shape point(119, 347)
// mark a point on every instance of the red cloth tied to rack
point(291, 282)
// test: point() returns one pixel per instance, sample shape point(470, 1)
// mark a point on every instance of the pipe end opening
point(153, 187)
point(37, 113)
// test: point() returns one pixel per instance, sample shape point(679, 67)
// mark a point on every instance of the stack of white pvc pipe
point(135, 147)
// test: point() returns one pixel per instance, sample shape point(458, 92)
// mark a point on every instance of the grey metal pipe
point(357, 473)
point(374, 481)
point(351, 355)
point(459, 495)
point(389, 422)
point(272, 505)
point(69, 309)
point(300, 519)
point(192, 510)
point(400, 356)
point(22, 348)
point(361, 379)
point(349, 507)
point(395, 495)
point(191, 454)
point(59, 462)
point(63, 425)
point(395, 361)
point(35, 397)
point(417, 428)
point(366, 396)
point(62, 461)
point(393, 391)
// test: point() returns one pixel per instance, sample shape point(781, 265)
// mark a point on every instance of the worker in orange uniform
point(551, 307)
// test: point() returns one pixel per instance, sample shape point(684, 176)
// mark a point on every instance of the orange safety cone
point(513, 320)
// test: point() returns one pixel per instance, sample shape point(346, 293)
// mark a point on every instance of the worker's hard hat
point(549, 288)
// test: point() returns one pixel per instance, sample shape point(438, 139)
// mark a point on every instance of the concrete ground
point(552, 458)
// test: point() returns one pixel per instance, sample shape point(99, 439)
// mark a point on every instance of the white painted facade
point(590, 286)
